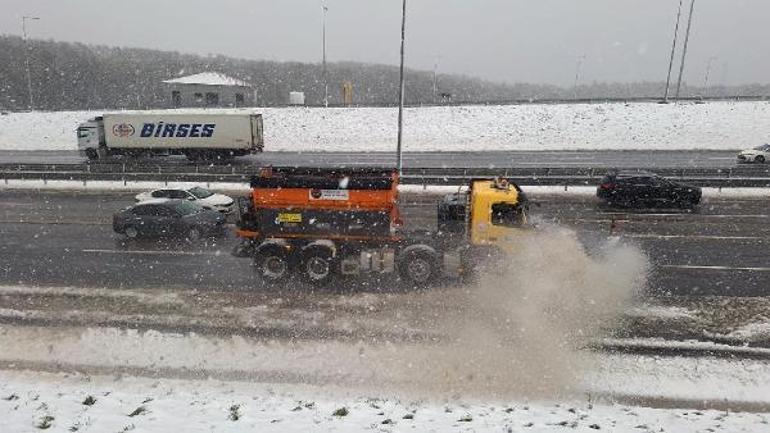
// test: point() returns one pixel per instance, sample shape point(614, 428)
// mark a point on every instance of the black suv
point(646, 190)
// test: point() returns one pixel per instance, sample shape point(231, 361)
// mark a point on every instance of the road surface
point(67, 239)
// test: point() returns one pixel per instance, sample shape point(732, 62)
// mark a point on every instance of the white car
point(202, 196)
point(759, 154)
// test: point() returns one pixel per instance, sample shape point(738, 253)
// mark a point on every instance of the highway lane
point(65, 239)
point(470, 159)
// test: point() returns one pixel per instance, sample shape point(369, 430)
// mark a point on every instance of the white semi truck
point(196, 136)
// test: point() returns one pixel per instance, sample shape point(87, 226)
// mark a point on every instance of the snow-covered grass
point(79, 403)
point(716, 125)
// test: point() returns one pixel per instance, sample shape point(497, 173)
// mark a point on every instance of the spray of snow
point(519, 330)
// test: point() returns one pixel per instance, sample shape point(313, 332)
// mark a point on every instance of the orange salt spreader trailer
point(308, 203)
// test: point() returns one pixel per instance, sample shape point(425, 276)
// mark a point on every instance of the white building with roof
point(210, 89)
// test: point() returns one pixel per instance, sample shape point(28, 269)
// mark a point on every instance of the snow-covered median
point(374, 369)
point(80, 403)
point(237, 188)
point(716, 125)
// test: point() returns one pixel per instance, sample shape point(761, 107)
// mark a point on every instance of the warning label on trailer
point(289, 218)
point(329, 194)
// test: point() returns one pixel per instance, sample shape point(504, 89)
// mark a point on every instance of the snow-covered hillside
point(717, 125)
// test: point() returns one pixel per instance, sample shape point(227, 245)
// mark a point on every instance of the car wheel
point(759, 159)
point(131, 232)
point(193, 234)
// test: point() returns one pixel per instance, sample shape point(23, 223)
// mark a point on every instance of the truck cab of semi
point(491, 212)
point(324, 222)
point(90, 138)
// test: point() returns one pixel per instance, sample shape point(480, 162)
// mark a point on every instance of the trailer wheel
point(417, 267)
point(92, 154)
point(317, 266)
point(272, 265)
point(192, 155)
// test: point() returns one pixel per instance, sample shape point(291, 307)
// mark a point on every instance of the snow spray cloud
point(518, 331)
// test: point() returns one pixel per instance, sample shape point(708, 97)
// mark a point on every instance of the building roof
point(208, 79)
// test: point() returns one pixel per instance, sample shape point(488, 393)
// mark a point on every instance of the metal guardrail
point(741, 176)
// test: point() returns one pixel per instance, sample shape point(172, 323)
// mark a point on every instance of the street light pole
point(30, 101)
point(399, 159)
point(708, 72)
point(435, 80)
point(326, 83)
point(577, 74)
point(673, 50)
point(684, 49)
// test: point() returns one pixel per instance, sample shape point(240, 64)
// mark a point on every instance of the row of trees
point(73, 76)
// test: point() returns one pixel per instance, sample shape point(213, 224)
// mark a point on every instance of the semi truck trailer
point(196, 136)
point(322, 223)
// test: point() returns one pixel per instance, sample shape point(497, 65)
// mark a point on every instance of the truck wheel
point(317, 266)
point(272, 265)
point(193, 155)
point(418, 268)
point(225, 155)
point(92, 154)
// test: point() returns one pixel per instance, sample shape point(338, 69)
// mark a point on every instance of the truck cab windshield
point(84, 132)
point(507, 215)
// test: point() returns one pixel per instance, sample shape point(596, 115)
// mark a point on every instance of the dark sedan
point(646, 190)
point(168, 218)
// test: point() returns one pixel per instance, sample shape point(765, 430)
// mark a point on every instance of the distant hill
point(74, 76)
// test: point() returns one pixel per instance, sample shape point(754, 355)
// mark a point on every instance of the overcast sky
point(537, 41)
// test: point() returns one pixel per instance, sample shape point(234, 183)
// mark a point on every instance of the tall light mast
point(684, 50)
point(399, 157)
point(673, 50)
point(326, 82)
point(30, 100)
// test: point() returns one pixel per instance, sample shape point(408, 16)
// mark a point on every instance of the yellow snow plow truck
point(322, 223)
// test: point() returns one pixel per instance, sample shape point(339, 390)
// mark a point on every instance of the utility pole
point(684, 50)
point(673, 50)
point(326, 82)
point(30, 101)
point(399, 158)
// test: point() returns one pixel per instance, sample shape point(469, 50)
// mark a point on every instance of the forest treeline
point(75, 76)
